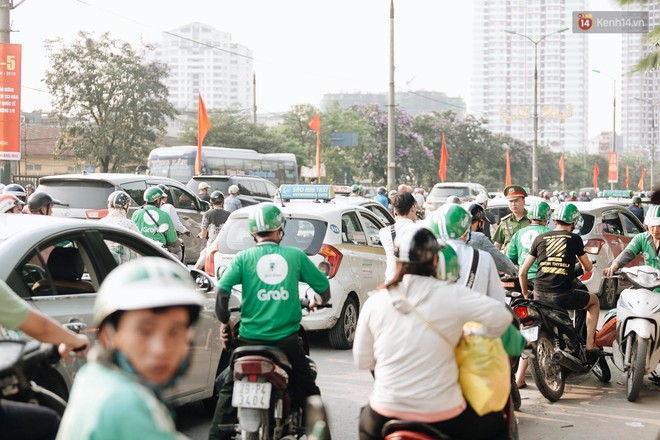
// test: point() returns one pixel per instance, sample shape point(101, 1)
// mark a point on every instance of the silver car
point(58, 264)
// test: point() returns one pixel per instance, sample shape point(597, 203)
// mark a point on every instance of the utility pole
point(254, 98)
point(391, 164)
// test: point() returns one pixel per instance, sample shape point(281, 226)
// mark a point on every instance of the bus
point(179, 163)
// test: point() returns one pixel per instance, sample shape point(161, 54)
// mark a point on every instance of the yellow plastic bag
point(484, 373)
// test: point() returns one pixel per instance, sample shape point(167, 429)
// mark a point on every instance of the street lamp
point(536, 93)
point(613, 114)
point(652, 135)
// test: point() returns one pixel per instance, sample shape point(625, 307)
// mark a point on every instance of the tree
point(651, 60)
point(111, 103)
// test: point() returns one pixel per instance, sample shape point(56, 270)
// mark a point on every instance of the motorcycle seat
point(424, 429)
point(273, 353)
point(551, 306)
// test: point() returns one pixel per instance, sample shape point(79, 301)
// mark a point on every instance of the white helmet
point(8, 201)
point(146, 283)
point(652, 217)
point(233, 189)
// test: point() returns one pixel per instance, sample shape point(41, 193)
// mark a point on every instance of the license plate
point(251, 395)
point(530, 333)
point(510, 284)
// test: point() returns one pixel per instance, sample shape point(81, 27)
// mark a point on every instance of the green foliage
point(110, 102)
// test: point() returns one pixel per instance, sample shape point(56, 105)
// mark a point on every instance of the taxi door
point(365, 262)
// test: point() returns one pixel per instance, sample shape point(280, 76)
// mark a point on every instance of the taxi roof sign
point(309, 192)
point(617, 193)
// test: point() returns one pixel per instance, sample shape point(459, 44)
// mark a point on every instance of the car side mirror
point(204, 205)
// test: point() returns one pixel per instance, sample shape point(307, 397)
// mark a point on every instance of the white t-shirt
point(400, 227)
point(487, 281)
point(171, 210)
point(415, 368)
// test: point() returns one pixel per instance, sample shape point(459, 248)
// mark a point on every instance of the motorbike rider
point(41, 203)
point(21, 420)
point(416, 377)
point(556, 252)
point(405, 212)
point(146, 310)
point(515, 221)
point(171, 210)
point(270, 309)
point(118, 204)
point(478, 240)
point(482, 199)
point(150, 217)
point(232, 202)
point(636, 208)
point(646, 244)
point(213, 220)
point(381, 197)
point(452, 224)
point(10, 204)
point(16, 190)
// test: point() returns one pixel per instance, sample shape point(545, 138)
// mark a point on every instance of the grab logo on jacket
point(272, 269)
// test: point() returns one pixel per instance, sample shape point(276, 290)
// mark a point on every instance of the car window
point(351, 229)
point(121, 251)
point(584, 225)
point(632, 228)
point(84, 194)
point(270, 189)
point(244, 188)
point(380, 212)
point(59, 268)
point(260, 189)
point(446, 191)
point(612, 223)
point(135, 190)
point(373, 228)
point(183, 199)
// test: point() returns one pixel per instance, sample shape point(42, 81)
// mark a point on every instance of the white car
point(345, 236)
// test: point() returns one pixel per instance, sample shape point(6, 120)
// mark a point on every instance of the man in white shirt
point(171, 210)
point(452, 224)
point(405, 212)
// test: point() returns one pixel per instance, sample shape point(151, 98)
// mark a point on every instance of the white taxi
point(343, 238)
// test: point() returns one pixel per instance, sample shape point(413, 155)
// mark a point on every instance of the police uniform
point(509, 225)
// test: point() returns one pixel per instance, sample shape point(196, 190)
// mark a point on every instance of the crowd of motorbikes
point(630, 335)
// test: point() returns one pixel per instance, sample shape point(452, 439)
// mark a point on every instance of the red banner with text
point(613, 168)
point(10, 101)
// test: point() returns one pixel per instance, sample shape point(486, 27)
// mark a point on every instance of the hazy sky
point(303, 48)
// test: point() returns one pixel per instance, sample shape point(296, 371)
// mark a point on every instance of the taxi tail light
point(586, 277)
point(593, 246)
point(253, 367)
point(333, 257)
point(96, 214)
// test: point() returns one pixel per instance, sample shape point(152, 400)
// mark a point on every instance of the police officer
point(515, 221)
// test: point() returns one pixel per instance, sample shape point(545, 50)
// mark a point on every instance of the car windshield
point(446, 191)
point(584, 225)
point(304, 234)
point(79, 194)
point(216, 185)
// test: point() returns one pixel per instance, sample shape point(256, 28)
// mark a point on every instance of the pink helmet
point(8, 201)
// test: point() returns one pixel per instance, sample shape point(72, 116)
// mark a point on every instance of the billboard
point(613, 168)
point(10, 101)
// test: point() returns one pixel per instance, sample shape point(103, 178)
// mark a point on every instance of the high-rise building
point(204, 60)
point(503, 71)
point(639, 91)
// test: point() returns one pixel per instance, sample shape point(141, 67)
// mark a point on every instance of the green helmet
point(355, 188)
point(451, 221)
point(265, 217)
point(152, 194)
point(448, 267)
point(573, 194)
point(567, 213)
point(636, 199)
point(146, 283)
point(539, 211)
point(652, 217)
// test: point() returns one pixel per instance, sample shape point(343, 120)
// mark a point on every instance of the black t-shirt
point(556, 252)
point(213, 221)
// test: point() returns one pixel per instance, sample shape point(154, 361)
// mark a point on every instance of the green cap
point(514, 191)
point(567, 213)
point(265, 217)
point(451, 221)
point(539, 211)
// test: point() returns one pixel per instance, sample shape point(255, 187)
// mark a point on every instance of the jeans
point(301, 383)
point(24, 421)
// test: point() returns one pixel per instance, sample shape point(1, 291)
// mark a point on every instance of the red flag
point(594, 180)
point(203, 126)
point(627, 176)
point(444, 159)
point(561, 168)
point(507, 176)
point(315, 124)
point(640, 185)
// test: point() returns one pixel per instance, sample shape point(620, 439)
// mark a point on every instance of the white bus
point(179, 163)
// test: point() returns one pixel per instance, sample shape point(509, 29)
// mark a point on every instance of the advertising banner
point(10, 101)
point(613, 168)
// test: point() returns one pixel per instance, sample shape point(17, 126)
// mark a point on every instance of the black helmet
point(118, 199)
point(382, 190)
point(217, 197)
point(418, 246)
point(41, 200)
point(477, 211)
point(14, 189)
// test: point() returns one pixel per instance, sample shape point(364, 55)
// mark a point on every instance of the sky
point(303, 48)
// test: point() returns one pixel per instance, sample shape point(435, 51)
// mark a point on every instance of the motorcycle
point(22, 359)
point(636, 349)
point(559, 350)
point(265, 409)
